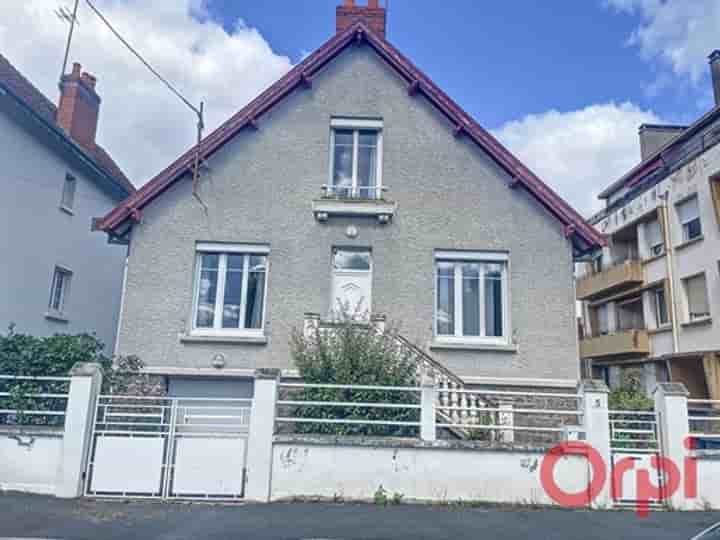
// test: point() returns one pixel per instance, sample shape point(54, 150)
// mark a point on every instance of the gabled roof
point(655, 160)
point(32, 98)
point(417, 81)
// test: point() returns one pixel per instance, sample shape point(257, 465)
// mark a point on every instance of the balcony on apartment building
point(626, 274)
point(616, 334)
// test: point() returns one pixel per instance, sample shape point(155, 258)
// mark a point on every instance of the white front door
point(351, 283)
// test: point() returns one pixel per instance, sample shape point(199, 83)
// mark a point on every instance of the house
point(651, 297)
point(352, 179)
point(57, 275)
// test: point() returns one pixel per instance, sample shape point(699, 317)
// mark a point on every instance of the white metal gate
point(634, 435)
point(169, 448)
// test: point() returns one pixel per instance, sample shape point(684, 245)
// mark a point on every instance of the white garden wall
point(30, 461)
point(440, 471)
point(708, 473)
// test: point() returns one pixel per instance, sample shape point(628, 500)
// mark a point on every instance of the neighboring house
point(354, 178)
point(56, 275)
point(651, 298)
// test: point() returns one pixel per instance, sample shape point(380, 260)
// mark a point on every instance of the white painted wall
point(708, 482)
point(421, 473)
point(30, 462)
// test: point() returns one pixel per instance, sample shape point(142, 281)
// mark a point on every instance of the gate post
point(597, 433)
point(85, 383)
point(672, 416)
point(427, 409)
point(260, 440)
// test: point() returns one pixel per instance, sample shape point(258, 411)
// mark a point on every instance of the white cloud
point(579, 153)
point(681, 33)
point(142, 125)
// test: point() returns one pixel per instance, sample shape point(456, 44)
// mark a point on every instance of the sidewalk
point(33, 516)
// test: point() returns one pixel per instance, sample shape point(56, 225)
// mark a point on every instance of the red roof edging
point(418, 81)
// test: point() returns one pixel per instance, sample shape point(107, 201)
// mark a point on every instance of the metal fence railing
point(511, 416)
point(33, 401)
point(348, 409)
point(634, 431)
point(704, 419)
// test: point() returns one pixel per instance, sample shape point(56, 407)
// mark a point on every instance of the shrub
point(354, 354)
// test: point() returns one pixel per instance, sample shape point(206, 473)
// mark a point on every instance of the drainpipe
point(122, 301)
point(670, 263)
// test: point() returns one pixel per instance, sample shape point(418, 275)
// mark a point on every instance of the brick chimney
point(373, 15)
point(79, 107)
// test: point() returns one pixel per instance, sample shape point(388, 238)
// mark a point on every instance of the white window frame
point(356, 125)
point(64, 292)
point(69, 187)
point(684, 224)
point(224, 250)
point(473, 256)
point(658, 249)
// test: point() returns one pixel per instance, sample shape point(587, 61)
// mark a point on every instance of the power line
point(145, 62)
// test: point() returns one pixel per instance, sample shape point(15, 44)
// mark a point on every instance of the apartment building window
point(696, 297)
point(355, 158)
point(230, 289)
point(471, 297)
point(67, 201)
point(661, 308)
point(59, 290)
point(715, 189)
point(654, 238)
point(603, 320)
point(689, 216)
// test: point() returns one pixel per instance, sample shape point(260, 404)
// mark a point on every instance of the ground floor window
point(230, 288)
point(471, 296)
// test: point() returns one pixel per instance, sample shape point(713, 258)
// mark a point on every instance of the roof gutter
point(67, 141)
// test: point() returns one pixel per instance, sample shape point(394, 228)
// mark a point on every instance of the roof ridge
point(303, 72)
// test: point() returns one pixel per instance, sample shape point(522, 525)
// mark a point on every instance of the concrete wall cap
point(593, 385)
point(672, 389)
point(267, 373)
point(85, 369)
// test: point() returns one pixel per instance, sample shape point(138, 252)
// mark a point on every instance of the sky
point(564, 84)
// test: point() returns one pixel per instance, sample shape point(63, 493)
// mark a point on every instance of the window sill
point(660, 330)
point(472, 346)
point(382, 209)
point(653, 258)
point(690, 242)
point(57, 317)
point(236, 339)
point(697, 322)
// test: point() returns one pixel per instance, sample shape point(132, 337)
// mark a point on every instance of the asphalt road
point(30, 516)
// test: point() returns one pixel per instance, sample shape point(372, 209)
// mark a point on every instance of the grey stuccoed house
point(353, 178)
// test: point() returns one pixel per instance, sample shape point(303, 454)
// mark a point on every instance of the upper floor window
point(59, 289)
point(67, 202)
point(230, 288)
point(355, 158)
point(654, 238)
point(661, 308)
point(689, 216)
point(715, 190)
point(696, 297)
point(471, 296)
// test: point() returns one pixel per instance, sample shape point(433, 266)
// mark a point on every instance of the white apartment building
point(651, 298)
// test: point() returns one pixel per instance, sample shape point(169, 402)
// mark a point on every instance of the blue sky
point(564, 84)
point(499, 60)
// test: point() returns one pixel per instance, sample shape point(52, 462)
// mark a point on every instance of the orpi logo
point(645, 490)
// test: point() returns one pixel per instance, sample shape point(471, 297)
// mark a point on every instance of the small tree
point(352, 353)
point(630, 395)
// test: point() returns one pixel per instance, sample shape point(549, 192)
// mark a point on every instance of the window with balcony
point(355, 159)
point(471, 297)
point(630, 315)
point(654, 238)
point(689, 217)
point(696, 298)
point(230, 288)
